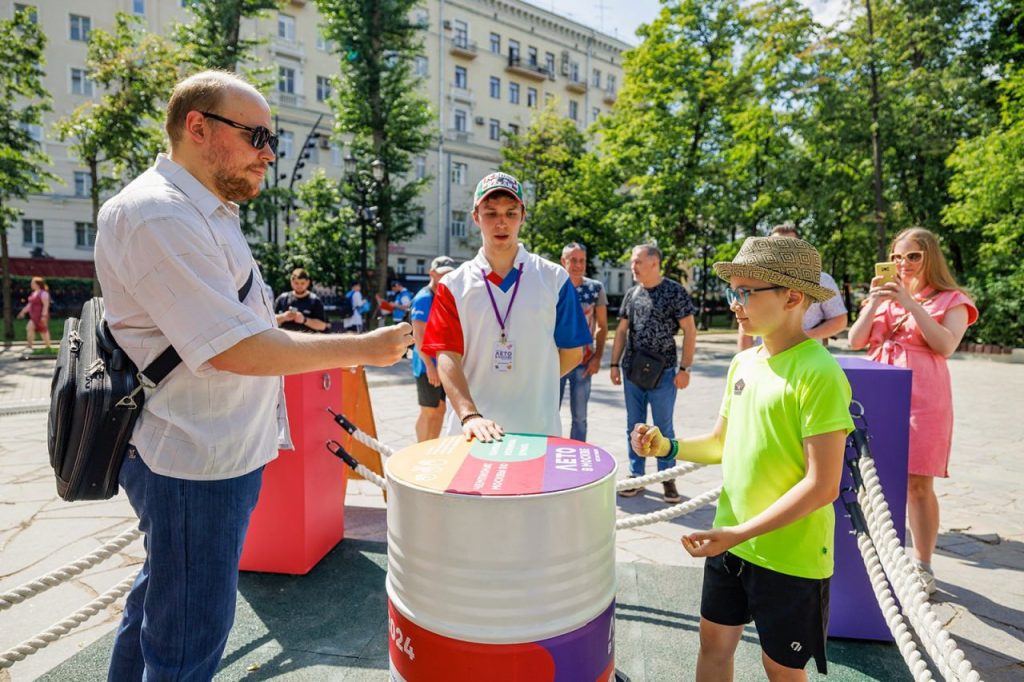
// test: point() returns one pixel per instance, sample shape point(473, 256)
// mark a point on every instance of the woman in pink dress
point(38, 311)
point(917, 322)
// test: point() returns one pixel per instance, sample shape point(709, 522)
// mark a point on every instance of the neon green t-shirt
point(772, 404)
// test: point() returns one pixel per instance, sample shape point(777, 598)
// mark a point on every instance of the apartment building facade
point(486, 67)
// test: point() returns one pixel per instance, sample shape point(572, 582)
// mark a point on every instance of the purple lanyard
point(494, 304)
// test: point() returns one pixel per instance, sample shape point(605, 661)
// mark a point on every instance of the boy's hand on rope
point(647, 441)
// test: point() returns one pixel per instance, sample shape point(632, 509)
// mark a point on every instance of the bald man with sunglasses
point(177, 271)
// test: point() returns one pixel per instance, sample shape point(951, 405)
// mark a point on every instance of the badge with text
point(504, 353)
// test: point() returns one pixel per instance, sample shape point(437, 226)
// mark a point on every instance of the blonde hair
point(934, 271)
point(41, 283)
point(202, 91)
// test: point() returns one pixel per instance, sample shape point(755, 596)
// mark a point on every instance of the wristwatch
point(683, 369)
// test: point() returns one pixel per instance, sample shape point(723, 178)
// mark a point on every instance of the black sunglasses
point(260, 135)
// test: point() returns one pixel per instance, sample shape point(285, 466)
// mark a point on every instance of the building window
point(460, 120)
point(495, 43)
point(622, 282)
point(548, 97)
point(420, 167)
point(323, 44)
point(34, 131)
point(495, 87)
point(32, 232)
point(574, 72)
point(80, 85)
point(531, 55)
point(461, 34)
point(421, 18)
point(596, 80)
point(421, 266)
point(421, 223)
point(286, 27)
point(286, 144)
point(611, 83)
point(513, 49)
point(323, 88)
point(400, 266)
point(495, 129)
point(461, 78)
point(138, 7)
point(85, 235)
point(286, 80)
point(337, 155)
point(459, 173)
point(596, 114)
point(513, 129)
point(80, 28)
point(513, 93)
point(422, 67)
point(83, 184)
point(531, 97)
point(549, 62)
point(458, 224)
point(574, 110)
point(33, 14)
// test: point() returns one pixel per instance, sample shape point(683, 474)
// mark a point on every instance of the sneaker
point(927, 579)
point(671, 495)
point(630, 492)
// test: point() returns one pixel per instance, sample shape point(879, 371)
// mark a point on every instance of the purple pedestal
point(884, 391)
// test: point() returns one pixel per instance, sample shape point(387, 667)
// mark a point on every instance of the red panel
point(300, 515)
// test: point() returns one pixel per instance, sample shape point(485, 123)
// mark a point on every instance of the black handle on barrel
point(341, 453)
point(343, 421)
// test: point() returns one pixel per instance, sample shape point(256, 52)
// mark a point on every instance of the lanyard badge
point(504, 351)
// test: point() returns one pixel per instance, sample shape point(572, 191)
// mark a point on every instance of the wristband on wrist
point(614, 365)
point(469, 416)
point(673, 450)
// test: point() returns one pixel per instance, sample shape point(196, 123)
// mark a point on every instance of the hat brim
point(727, 271)
point(492, 190)
point(444, 269)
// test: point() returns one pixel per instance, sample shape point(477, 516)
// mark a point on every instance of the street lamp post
point(363, 184)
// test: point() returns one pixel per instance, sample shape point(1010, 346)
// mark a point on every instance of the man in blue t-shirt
point(429, 391)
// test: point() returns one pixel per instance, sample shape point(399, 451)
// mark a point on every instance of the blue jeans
point(579, 396)
point(662, 399)
point(182, 605)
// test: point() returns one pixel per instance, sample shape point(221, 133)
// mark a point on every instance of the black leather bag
point(646, 368)
point(95, 398)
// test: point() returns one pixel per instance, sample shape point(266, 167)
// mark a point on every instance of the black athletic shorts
point(429, 396)
point(790, 613)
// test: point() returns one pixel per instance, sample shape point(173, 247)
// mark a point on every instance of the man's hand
point(483, 429)
point(616, 376)
point(681, 380)
point(593, 366)
point(711, 542)
point(647, 441)
point(387, 345)
point(433, 378)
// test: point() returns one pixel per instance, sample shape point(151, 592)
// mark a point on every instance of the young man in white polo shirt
point(505, 327)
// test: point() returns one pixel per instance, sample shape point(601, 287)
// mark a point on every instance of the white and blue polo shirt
point(545, 317)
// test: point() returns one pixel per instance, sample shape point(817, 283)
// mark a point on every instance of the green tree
point(324, 241)
point(376, 106)
point(23, 99)
point(117, 136)
point(567, 195)
point(213, 40)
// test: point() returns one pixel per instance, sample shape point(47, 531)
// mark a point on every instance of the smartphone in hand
point(887, 271)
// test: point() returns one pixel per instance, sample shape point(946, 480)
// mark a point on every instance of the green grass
point(56, 326)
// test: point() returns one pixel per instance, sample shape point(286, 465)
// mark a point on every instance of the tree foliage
point(23, 99)
point(378, 110)
point(213, 40)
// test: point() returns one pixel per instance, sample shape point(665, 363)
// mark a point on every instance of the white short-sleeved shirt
point(171, 257)
point(826, 310)
point(545, 316)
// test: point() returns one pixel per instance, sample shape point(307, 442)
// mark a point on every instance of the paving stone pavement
point(979, 562)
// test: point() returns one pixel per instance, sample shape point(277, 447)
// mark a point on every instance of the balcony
point(531, 70)
point(611, 95)
point(576, 85)
point(457, 94)
point(287, 48)
point(289, 99)
point(455, 135)
point(461, 46)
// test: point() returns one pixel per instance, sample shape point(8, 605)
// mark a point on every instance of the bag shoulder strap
point(165, 363)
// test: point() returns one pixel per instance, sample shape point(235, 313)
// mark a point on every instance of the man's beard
point(235, 188)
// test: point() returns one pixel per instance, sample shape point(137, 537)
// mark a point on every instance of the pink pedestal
point(300, 515)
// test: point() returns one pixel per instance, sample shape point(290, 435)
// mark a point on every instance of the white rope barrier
point(58, 630)
point(641, 481)
point(66, 573)
point(670, 512)
point(372, 476)
point(940, 646)
point(372, 443)
point(25, 407)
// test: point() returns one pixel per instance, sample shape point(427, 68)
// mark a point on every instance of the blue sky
point(621, 17)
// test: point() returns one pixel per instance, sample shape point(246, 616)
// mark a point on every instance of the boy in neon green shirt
point(779, 437)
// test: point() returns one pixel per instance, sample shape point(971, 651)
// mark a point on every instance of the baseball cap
point(493, 183)
point(442, 264)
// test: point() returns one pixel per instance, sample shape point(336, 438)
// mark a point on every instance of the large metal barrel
point(501, 561)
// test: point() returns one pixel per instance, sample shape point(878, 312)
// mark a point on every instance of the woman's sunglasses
point(260, 135)
point(911, 256)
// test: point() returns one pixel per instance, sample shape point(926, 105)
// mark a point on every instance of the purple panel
point(884, 391)
point(584, 654)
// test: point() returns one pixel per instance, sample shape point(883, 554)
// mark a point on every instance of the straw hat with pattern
point(785, 261)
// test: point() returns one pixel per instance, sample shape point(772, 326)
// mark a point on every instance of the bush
point(1000, 311)
point(67, 294)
